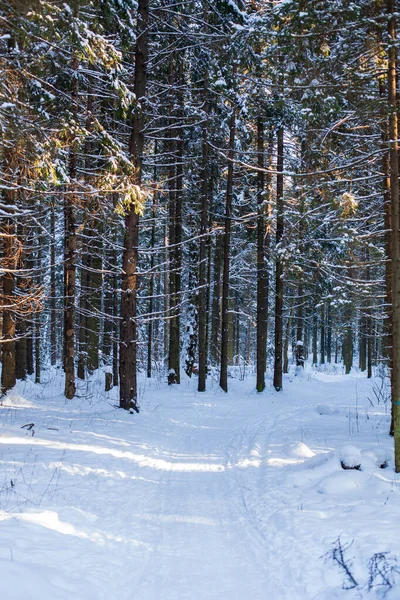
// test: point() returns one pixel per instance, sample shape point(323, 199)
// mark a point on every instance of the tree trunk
point(348, 346)
point(94, 282)
point(322, 342)
point(8, 372)
point(262, 266)
point(128, 329)
point(52, 300)
point(216, 301)
point(20, 349)
point(83, 309)
point(329, 333)
point(315, 338)
point(167, 293)
point(223, 380)
point(115, 340)
point(203, 288)
point(395, 220)
point(192, 308)
point(279, 265)
point(69, 288)
point(362, 362)
point(70, 250)
point(29, 350)
point(174, 325)
point(369, 351)
point(286, 344)
point(151, 281)
point(37, 319)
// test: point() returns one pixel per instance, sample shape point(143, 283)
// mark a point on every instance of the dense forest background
point(191, 186)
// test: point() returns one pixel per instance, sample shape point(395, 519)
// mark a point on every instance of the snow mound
point(382, 458)
point(350, 457)
point(343, 482)
point(326, 409)
point(298, 450)
point(318, 460)
point(21, 580)
point(16, 401)
point(300, 372)
point(372, 459)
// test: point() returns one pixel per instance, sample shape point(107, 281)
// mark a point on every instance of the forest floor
point(237, 496)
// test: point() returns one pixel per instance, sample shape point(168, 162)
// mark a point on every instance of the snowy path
point(199, 497)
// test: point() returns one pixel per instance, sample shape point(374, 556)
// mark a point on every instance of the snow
point(200, 496)
point(350, 456)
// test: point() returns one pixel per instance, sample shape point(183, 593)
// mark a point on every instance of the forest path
point(199, 497)
point(204, 544)
point(218, 531)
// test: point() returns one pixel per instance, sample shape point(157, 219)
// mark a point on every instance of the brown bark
point(388, 232)
point(322, 332)
point(29, 350)
point(37, 319)
point(128, 330)
point(262, 266)
point(395, 222)
point(223, 380)
point(115, 330)
point(315, 338)
point(279, 266)
point(70, 250)
point(20, 349)
point(151, 282)
point(174, 367)
point(52, 300)
point(69, 289)
point(203, 289)
point(8, 373)
point(94, 292)
point(287, 343)
point(82, 334)
point(329, 333)
point(216, 301)
point(362, 357)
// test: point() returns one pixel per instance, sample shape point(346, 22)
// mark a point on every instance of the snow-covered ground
point(237, 496)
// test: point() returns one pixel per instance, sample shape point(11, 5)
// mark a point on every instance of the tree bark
point(223, 380)
point(262, 266)
point(216, 301)
point(287, 343)
point(329, 333)
point(69, 288)
point(315, 338)
point(128, 398)
point(173, 338)
point(322, 339)
point(395, 221)
point(37, 316)
point(70, 249)
point(8, 372)
point(279, 265)
point(151, 281)
point(52, 300)
point(83, 309)
point(203, 288)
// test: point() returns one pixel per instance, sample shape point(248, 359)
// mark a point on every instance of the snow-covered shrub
point(350, 457)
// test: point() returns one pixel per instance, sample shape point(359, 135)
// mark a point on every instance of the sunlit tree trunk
point(395, 222)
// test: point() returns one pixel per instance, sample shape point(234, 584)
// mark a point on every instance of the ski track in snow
point(199, 497)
